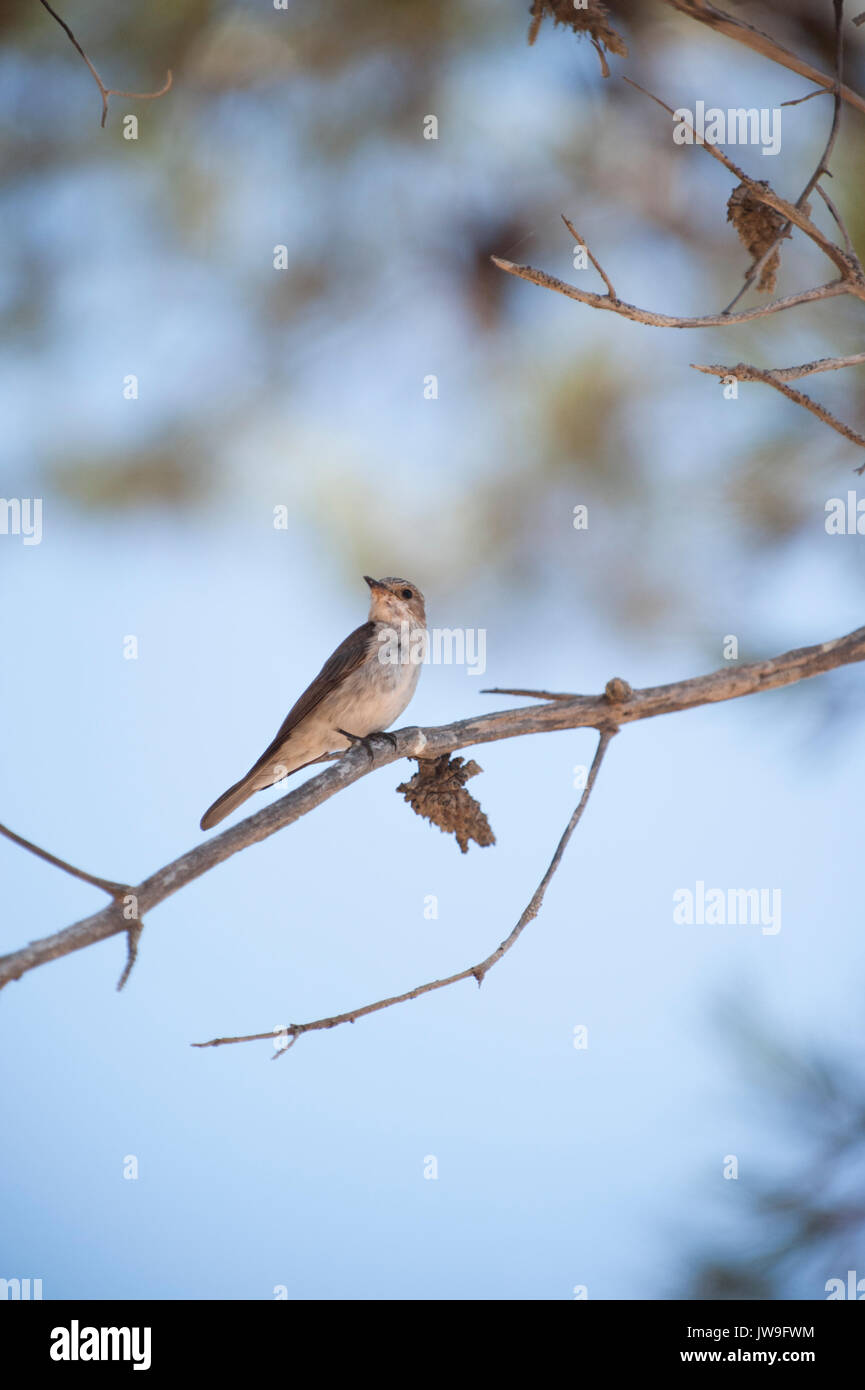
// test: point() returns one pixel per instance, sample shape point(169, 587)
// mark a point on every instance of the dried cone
point(437, 792)
point(758, 226)
point(594, 20)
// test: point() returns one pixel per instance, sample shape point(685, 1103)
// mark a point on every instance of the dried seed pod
point(758, 226)
point(437, 792)
point(594, 20)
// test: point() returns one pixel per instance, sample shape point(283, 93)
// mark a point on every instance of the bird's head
point(395, 601)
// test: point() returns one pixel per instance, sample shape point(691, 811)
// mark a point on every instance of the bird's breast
point(376, 693)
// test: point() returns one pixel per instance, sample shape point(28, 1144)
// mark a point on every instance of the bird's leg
point(388, 738)
point(366, 741)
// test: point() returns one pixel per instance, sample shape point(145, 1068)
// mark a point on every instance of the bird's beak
point(373, 583)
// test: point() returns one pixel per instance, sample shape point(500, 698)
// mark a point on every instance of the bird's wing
point(348, 656)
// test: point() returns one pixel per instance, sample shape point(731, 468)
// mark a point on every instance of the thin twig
point(822, 163)
point(133, 936)
point(598, 267)
point(742, 32)
point(648, 316)
point(839, 220)
point(528, 694)
point(117, 891)
point(767, 195)
point(809, 96)
point(479, 971)
point(106, 92)
point(114, 890)
point(851, 281)
point(743, 372)
point(822, 364)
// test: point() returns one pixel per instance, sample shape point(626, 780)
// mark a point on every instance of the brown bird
point(359, 691)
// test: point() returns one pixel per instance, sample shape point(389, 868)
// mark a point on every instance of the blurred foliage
point(155, 476)
point(304, 128)
point(803, 1226)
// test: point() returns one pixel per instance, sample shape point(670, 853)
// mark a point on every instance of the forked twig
point(106, 92)
point(477, 972)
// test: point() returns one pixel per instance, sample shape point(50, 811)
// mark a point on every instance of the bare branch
point(120, 892)
point(114, 890)
point(743, 372)
point(839, 220)
point(767, 195)
point(762, 43)
point(106, 92)
point(809, 96)
point(133, 936)
point(655, 320)
point(528, 694)
point(598, 267)
point(822, 167)
point(477, 972)
point(621, 706)
point(822, 364)
point(851, 281)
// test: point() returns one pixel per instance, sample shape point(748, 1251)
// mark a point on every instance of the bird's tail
point(264, 774)
point(229, 801)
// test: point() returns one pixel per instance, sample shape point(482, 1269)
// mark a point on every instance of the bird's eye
point(407, 593)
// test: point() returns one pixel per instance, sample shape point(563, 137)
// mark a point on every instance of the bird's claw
point(365, 742)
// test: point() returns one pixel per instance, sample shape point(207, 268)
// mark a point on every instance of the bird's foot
point(365, 741)
point(388, 738)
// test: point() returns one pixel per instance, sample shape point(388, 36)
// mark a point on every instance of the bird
point(360, 690)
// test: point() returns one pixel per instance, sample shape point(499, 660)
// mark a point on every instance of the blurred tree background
point(802, 1216)
point(305, 128)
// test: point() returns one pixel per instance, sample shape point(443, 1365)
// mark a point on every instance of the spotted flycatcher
point(359, 691)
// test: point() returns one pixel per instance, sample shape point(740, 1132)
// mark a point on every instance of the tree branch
point(851, 280)
point(114, 890)
point(478, 972)
point(620, 705)
point(764, 194)
point(598, 267)
point(742, 372)
point(822, 168)
point(822, 364)
point(762, 43)
point(529, 694)
point(830, 290)
point(104, 91)
point(840, 222)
